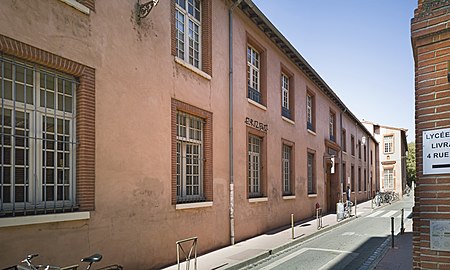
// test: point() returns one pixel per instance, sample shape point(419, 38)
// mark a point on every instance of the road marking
point(374, 214)
point(348, 233)
point(390, 213)
point(295, 254)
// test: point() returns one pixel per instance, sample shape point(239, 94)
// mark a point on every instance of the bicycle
point(26, 264)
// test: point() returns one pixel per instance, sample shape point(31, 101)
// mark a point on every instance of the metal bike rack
point(187, 255)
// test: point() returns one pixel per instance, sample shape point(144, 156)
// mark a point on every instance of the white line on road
point(390, 213)
point(374, 214)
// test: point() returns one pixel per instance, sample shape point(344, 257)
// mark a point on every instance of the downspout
point(341, 165)
point(230, 119)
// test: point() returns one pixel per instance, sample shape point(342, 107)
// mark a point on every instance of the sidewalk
point(399, 257)
point(259, 247)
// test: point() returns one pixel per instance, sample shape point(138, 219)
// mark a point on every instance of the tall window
point(344, 175)
point(311, 174)
point(344, 140)
point(365, 180)
point(310, 111)
point(285, 96)
point(286, 164)
point(352, 142)
point(365, 153)
point(38, 143)
point(388, 179)
point(359, 149)
point(189, 158)
point(253, 74)
point(352, 178)
point(188, 29)
point(359, 179)
point(332, 126)
point(254, 166)
point(389, 144)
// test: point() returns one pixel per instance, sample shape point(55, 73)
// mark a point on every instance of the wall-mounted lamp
point(144, 9)
point(363, 140)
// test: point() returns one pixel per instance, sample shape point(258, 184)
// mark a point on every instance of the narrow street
point(346, 247)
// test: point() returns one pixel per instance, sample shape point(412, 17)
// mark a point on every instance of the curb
point(283, 247)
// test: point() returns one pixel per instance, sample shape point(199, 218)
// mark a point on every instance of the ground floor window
point(286, 169)
point(311, 173)
point(37, 143)
point(388, 177)
point(254, 166)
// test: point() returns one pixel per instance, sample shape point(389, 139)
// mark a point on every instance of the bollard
point(402, 229)
point(392, 230)
point(292, 225)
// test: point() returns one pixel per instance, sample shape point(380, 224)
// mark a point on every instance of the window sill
point(312, 195)
point(262, 107)
point(255, 200)
point(193, 205)
point(290, 197)
point(311, 132)
point(42, 219)
point(192, 68)
point(288, 120)
point(77, 6)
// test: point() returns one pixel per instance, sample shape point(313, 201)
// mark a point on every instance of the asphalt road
point(348, 246)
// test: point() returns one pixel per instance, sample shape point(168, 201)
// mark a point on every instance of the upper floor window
point(332, 126)
point(365, 153)
point(254, 74)
point(285, 96)
point(352, 142)
point(38, 142)
point(389, 144)
point(188, 31)
point(344, 140)
point(310, 111)
point(359, 149)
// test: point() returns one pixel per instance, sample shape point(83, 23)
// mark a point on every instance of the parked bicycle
point(26, 264)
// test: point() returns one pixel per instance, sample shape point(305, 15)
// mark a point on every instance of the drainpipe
point(341, 165)
point(230, 120)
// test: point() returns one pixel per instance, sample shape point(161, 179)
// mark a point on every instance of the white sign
point(440, 235)
point(436, 151)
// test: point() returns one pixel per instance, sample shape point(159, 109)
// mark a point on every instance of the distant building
point(430, 37)
point(391, 156)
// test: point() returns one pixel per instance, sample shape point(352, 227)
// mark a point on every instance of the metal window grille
point(311, 184)
point(253, 75)
point(38, 144)
point(388, 143)
point(254, 166)
point(188, 30)
point(286, 163)
point(189, 158)
point(388, 179)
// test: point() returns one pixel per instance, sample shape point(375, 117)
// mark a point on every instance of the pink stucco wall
point(134, 222)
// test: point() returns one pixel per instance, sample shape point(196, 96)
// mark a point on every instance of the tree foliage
point(411, 163)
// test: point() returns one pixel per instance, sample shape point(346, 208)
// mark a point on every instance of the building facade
point(392, 157)
point(122, 136)
point(430, 36)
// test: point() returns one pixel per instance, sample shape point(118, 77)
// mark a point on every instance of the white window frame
point(309, 111)
point(254, 166)
point(284, 91)
point(388, 144)
point(388, 179)
point(253, 68)
point(286, 169)
point(310, 173)
point(190, 130)
point(34, 197)
point(185, 34)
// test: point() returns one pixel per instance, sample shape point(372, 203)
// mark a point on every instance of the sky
point(361, 48)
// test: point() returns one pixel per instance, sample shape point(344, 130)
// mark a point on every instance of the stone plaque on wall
point(440, 235)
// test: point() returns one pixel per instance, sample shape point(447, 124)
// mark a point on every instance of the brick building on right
point(430, 36)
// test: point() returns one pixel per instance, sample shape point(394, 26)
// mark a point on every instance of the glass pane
point(7, 69)
point(49, 193)
point(7, 90)
point(6, 175)
point(47, 81)
point(20, 175)
point(50, 158)
point(6, 194)
point(5, 153)
point(20, 193)
point(50, 176)
point(21, 157)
